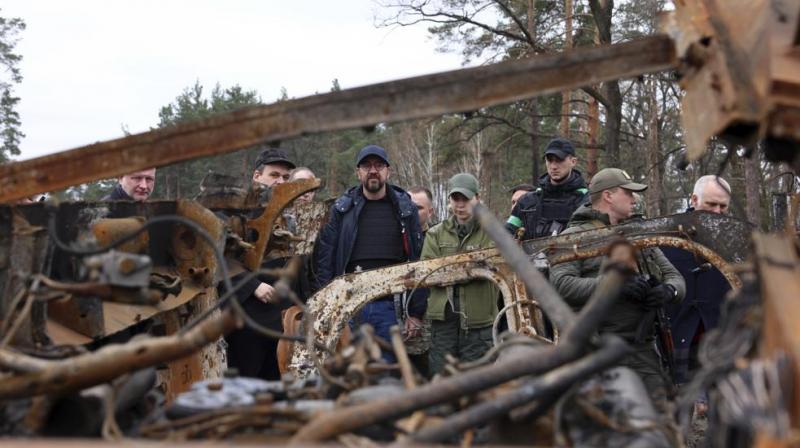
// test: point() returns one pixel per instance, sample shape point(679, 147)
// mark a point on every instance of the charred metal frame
point(719, 239)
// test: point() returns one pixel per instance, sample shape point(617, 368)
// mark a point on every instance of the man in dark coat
point(136, 186)
point(250, 352)
point(547, 210)
point(373, 225)
point(705, 285)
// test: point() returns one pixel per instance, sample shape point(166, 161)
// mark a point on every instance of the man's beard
point(374, 187)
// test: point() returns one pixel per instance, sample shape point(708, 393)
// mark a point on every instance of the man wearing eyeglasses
point(372, 225)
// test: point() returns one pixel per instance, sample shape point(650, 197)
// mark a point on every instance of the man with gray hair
point(705, 285)
point(712, 194)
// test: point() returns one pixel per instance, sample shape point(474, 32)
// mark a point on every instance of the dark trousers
point(380, 314)
point(251, 353)
point(447, 336)
point(645, 362)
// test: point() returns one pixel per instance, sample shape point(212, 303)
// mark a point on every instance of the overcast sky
point(92, 67)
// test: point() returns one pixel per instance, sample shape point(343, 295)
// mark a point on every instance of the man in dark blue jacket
point(705, 286)
point(371, 226)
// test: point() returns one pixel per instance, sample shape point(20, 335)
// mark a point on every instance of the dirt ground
point(697, 436)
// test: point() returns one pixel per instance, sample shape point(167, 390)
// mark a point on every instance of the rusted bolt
point(126, 266)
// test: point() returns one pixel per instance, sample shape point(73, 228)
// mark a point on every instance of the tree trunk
point(172, 182)
point(752, 181)
point(601, 11)
point(594, 125)
point(613, 122)
point(566, 96)
point(535, 159)
point(654, 193)
point(534, 102)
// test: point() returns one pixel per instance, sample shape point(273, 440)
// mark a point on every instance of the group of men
point(687, 289)
point(377, 224)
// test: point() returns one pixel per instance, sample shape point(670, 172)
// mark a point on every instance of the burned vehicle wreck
point(92, 275)
point(112, 312)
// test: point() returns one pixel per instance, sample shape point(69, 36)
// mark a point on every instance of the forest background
point(633, 124)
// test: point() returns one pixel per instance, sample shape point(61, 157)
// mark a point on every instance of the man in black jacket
point(373, 225)
point(250, 352)
point(705, 285)
point(136, 186)
point(547, 210)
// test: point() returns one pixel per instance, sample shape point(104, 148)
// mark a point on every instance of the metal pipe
point(534, 360)
point(605, 294)
point(535, 283)
point(612, 351)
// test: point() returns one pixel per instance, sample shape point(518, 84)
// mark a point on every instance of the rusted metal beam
point(740, 72)
point(113, 360)
point(726, 236)
point(341, 299)
point(535, 282)
point(281, 196)
point(779, 271)
point(424, 96)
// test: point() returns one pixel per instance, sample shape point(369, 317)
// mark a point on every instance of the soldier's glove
point(635, 288)
point(659, 295)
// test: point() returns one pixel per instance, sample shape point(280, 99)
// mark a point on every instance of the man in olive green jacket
point(461, 315)
point(657, 283)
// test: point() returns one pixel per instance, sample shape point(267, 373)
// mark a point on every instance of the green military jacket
point(576, 280)
point(477, 299)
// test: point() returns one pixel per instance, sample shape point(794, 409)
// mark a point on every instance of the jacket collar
point(585, 213)
point(398, 197)
point(574, 182)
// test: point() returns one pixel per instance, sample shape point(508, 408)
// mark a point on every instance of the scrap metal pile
point(112, 319)
point(157, 267)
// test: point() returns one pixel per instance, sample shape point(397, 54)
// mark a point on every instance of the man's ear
point(573, 161)
point(694, 201)
point(256, 174)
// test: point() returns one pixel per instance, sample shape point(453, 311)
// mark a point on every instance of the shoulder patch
point(582, 190)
